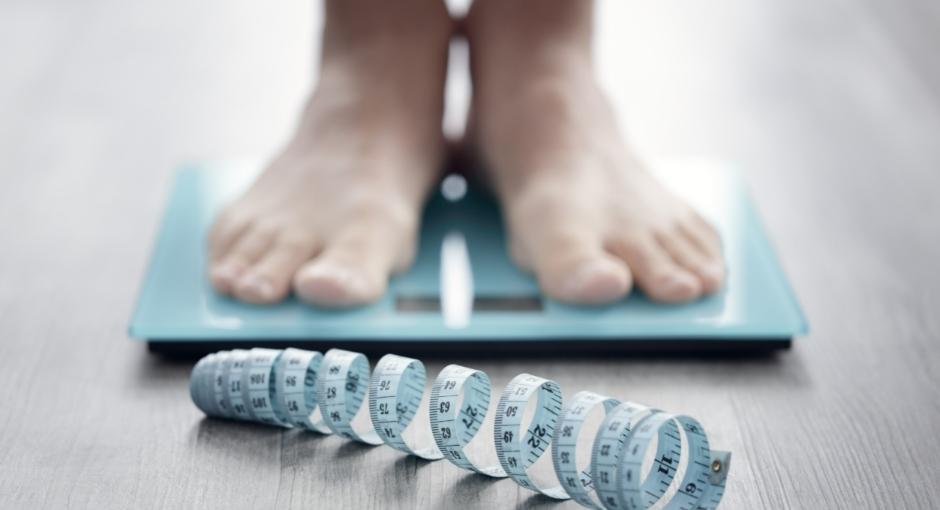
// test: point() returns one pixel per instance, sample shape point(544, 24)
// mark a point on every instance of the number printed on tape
point(324, 393)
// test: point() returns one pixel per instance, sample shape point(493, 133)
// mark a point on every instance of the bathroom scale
point(463, 293)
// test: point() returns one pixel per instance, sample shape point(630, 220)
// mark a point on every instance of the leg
point(582, 212)
point(337, 210)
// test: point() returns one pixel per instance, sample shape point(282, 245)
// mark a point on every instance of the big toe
point(336, 284)
point(355, 266)
point(590, 278)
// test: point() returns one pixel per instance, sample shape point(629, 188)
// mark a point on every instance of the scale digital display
point(480, 304)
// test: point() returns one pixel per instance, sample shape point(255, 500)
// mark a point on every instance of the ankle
point(378, 27)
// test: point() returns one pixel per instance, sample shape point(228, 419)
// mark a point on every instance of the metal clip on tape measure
point(297, 388)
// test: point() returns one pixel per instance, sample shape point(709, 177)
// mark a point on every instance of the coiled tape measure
point(324, 393)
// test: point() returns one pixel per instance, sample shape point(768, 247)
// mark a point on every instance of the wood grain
point(832, 107)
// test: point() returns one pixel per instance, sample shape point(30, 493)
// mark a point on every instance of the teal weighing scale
point(463, 293)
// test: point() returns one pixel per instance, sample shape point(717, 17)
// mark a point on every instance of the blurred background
point(822, 103)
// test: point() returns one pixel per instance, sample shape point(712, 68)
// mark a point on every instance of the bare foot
point(337, 210)
point(582, 212)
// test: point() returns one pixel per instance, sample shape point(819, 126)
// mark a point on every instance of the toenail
point(258, 286)
point(583, 278)
point(714, 273)
point(350, 283)
point(576, 280)
point(224, 274)
point(353, 281)
point(680, 283)
point(230, 270)
point(712, 276)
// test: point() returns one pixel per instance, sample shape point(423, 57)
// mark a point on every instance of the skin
point(337, 211)
point(583, 213)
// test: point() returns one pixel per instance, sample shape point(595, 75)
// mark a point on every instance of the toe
point(354, 266)
point(685, 252)
point(338, 280)
point(268, 280)
point(655, 271)
point(225, 231)
point(225, 273)
point(595, 278)
point(577, 270)
point(703, 235)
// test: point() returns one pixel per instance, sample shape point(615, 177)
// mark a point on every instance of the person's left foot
point(582, 213)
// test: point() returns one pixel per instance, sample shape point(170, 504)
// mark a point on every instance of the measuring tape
point(325, 393)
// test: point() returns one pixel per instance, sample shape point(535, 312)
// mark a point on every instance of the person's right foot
point(337, 210)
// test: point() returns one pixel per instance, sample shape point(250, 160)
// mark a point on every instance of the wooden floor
point(831, 106)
